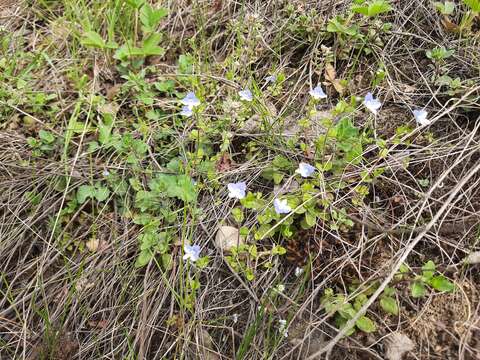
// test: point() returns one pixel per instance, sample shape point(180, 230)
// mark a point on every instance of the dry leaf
point(331, 76)
point(225, 163)
point(396, 345)
point(112, 91)
point(227, 238)
point(98, 324)
point(448, 25)
point(330, 73)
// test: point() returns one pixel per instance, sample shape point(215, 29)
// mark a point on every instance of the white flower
point(298, 271)
point(305, 170)
point(371, 103)
point(282, 327)
point(271, 79)
point(280, 288)
point(191, 252)
point(235, 318)
point(237, 190)
point(246, 95)
point(190, 100)
point(318, 93)
point(105, 173)
point(281, 206)
point(186, 111)
point(421, 117)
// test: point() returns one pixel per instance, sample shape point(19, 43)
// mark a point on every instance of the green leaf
point(188, 192)
point(341, 322)
point(366, 324)
point(135, 3)
point(474, 5)
point(441, 283)
point(146, 200)
point(84, 192)
point(150, 17)
point(428, 269)
point(46, 136)
point(93, 39)
point(389, 305)
point(102, 193)
point(445, 8)
point(185, 64)
point(238, 214)
point(418, 289)
point(278, 250)
point(202, 262)
point(150, 45)
point(143, 258)
point(378, 7)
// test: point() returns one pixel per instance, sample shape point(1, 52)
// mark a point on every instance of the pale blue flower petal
point(245, 95)
point(371, 103)
point(271, 79)
point(318, 93)
point(421, 117)
point(281, 206)
point(237, 190)
point(305, 170)
point(186, 111)
point(191, 252)
point(190, 100)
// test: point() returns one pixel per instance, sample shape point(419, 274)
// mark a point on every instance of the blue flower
point(371, 103)
point(271, 79)
point(246, 95)
point(318, 93)
point(421, 117)
point(237, 190)
point(191, 252)
point(190, 100)
point(186, 111)
point(305, 170)
point(281, 206)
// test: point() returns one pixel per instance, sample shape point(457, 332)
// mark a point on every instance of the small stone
point(473, 258)
point(227, 238)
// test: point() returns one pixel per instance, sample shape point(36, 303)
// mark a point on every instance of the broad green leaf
point(278, 250)
point(346, 311)
point(202, 262)
point(150, 17)
point(341, 322)
point(366, 324)
point(378, 7)
point(418, 289)
point(445, 8)
point(185, 64)
point(238, 214)
point(143, 258)
point(93, 39)
point(441, 283)
point(46, 136)
point(187, 191)
point(84, 192)
point(150, 45)
point(428, 269)
point(389, 305)
point(362, 9)
point(135, 3)
point(102, 193)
